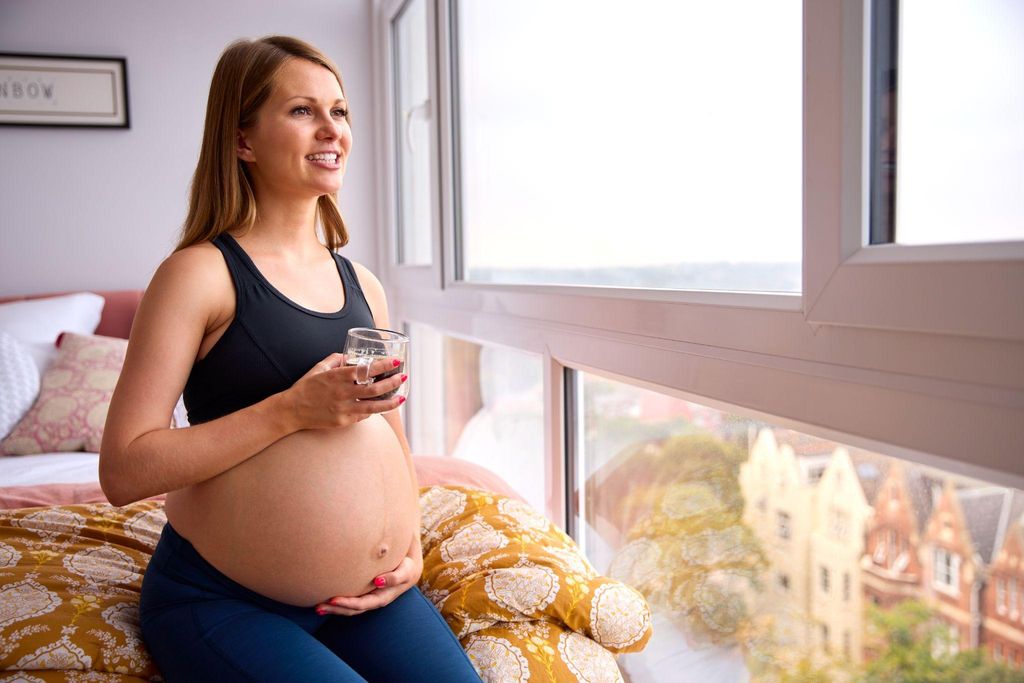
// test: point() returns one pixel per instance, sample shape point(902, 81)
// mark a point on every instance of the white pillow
point(19, 382)
point(37, 323)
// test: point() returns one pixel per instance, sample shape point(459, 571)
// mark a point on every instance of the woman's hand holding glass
point(330, 395)
point(364, 345)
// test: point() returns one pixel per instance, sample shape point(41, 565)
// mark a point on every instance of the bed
point(524, 602)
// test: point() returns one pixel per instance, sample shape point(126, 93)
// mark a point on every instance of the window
point(947, 571)
point(847, 649)
point(911, 352)
point(877, 281)
point(997, 652)
point(664, 491)
point(1001, 595)
point(1013, 599)
point(413, 132)
point(825, 644)
point(482, 403)
point(782, 525)
point(664, 149)
point(838, 523)
point(936, 141)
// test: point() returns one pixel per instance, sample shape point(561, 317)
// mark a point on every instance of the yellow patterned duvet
point(522, 599)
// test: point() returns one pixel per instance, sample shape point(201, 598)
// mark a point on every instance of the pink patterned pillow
point(73, 400)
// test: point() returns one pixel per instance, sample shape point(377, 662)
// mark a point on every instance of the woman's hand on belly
point(387, 586)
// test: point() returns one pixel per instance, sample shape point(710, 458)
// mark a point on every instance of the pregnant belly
point(315, 515)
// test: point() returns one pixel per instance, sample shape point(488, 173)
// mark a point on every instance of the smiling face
point(301, 139)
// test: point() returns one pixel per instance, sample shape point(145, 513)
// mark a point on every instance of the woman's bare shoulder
point(367, 280)
point(198, 275)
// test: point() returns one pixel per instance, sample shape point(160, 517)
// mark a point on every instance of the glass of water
point(364, 345)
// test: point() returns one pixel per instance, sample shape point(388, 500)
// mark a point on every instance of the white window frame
point(915, 352)
point(882, 286)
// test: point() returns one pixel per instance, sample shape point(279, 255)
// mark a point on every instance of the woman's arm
point(140, 455)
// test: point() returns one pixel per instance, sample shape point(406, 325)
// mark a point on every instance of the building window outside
point(825, 645)
point(846, 586)
point(879, 555)
point(997, 652)
point(825, 580)
point(783, 582)
point(847, 649)
point(782, 528)
point(839, 523)
point(1014, 609)
point(947, 571)
point(1001, 595)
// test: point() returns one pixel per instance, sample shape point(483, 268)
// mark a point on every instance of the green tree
point(914, 646)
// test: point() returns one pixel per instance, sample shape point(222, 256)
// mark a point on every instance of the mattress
point(49, 468)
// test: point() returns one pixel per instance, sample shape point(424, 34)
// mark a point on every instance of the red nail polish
point(401, 400)
point(379, 581)
point(321, 611)
point(396, 363)
point(405, 377)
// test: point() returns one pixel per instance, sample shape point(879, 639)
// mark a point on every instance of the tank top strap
point(235, 259)
point(348, 272)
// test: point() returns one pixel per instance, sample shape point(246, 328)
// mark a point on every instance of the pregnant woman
point(292, 546)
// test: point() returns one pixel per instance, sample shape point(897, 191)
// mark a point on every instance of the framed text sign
point(63, 90)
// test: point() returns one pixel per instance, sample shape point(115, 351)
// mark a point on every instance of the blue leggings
point(199, 625)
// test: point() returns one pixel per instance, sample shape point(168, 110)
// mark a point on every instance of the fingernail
point(321, 611)
point(396, 363)
point(401, 400)
point(405, 377)
point(379, 581)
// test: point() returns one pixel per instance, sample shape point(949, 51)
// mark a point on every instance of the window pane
point(480, 403)
point(960, 142)
point(764, 551)
point(413, 121)
point(658, 147)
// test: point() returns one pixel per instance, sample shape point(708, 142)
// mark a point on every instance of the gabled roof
point(988, 512)
point(871, 469)
point(924, 489)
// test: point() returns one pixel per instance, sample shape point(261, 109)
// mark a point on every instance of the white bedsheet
point(49, 468)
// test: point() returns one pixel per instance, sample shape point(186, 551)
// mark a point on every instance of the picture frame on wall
point(63, 90)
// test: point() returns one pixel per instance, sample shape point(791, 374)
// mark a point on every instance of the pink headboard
point(118, 311)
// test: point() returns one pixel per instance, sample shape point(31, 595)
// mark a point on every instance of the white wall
point(85, 208)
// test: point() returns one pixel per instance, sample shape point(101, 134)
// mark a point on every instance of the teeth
point(329, 156)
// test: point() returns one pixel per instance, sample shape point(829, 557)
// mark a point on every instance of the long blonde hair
point(222, 195)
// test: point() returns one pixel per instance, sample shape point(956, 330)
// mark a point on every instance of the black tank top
point(271, 342)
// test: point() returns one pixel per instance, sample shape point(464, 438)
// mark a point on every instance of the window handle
point(420, 111)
